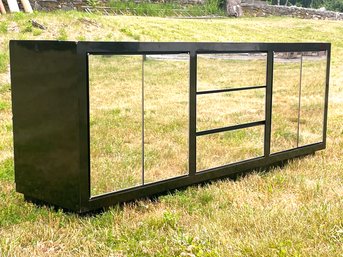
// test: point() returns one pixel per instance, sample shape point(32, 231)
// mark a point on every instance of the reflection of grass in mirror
point(228, 147)
point(115, 87)
point(166, 119)
point(312, 100)
point(115, 122)
point(115, 99)
point(215, 73)
point(285, 102)
point(226, 109)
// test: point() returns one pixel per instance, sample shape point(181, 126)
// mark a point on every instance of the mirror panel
point(230, 108)
point(115, 109)
point(228, 147)
point(233, 70)
point(312, 97)
point(286, 81)
point(166, 96)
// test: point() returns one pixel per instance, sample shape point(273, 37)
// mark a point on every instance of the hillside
point(291, 211)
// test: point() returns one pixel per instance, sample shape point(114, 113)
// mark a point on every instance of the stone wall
point(261, 10)
point(48, 5)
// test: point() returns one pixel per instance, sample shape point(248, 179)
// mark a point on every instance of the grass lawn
point(291, 211)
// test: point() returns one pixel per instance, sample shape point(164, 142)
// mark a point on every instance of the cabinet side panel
point(44, 78)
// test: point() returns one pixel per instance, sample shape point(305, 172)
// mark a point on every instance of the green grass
point(3, 61)
point(291, 211)
point(146, 8)
point(62, 34)
point(3, 27)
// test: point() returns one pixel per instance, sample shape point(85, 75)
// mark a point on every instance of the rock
point(234, 8)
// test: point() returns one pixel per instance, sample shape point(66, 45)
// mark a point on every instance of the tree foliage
point(334, 5)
